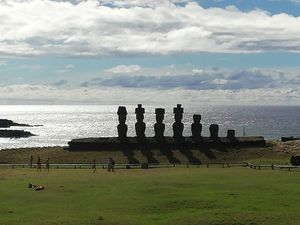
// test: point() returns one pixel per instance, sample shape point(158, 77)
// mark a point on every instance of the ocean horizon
point(61, 123)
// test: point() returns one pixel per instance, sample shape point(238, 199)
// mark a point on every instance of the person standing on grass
point(31, 161)
point(39, 165)
point(94, 166)
point(109, 164)
point(47, 165)
point(113, 165)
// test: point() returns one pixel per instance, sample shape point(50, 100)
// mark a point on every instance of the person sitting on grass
point(36, 187)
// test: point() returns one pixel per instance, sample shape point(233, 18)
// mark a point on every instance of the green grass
point(217, 196)
point(269, 154)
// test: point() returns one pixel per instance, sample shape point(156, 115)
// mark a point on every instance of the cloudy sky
point(244, 52)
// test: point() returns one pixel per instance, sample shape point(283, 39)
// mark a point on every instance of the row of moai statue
point(159, 126)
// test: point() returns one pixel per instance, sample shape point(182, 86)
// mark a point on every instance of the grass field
point(225, 196)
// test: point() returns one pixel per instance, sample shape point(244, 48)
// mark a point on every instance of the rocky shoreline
point(4, 133)
point(15, 134)
point(5, 123)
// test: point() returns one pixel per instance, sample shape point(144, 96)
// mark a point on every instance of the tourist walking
point(39, 165)
point(112, 165)
point(47, 165)
point(94, 166)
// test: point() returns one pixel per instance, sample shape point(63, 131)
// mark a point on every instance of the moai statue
point(178, 125)
point(230, 133)
point(196, 127)
point(159, 126)
point(214, 131)
point(122, 127)
point(140, 126)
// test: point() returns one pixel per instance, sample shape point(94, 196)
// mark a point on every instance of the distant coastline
point(63, 123)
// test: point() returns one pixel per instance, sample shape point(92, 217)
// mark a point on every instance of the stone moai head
point(214, 130)
point(230, 133)
point(122, 127)
point(159, 115)
point(178, 111)
point(196, 127)
point(139, 111)
point(122, 113)
point(197, 118)
point(140, 126)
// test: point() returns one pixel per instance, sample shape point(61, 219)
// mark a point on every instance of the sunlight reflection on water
point(63, 123)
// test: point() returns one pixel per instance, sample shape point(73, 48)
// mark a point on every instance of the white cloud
point(3, 63)
point(43, 94)
point(197, 71)
point(140, 3)
point(33, 67)
point(94, 28)
point(295, 1)
point(124, 69)
point(200, 79)
point(69, 66)
point(219, 81)
point(66, 69)
point(60, 83)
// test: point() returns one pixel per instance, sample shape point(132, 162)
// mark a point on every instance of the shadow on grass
point(166, 150)
point(186, 151)
point(146, 151)
point(127, 151)
point(207, 152)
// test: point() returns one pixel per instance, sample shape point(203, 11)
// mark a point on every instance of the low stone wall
point(114, 143)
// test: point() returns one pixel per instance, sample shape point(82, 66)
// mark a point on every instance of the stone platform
point(114, 143)
point(285, 139)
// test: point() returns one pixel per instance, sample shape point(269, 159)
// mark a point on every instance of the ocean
point(61, 123)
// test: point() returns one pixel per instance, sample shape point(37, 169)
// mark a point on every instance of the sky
point(204, 52)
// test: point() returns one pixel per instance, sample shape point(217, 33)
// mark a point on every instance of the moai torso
point(214, 131)
point(140, 126)
point(122, 127)
point(196, 127)
point(159, 126)
point(178, 125)
point(230, 133)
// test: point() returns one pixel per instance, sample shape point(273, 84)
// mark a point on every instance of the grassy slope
point(273, 153)
point(230, 196)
